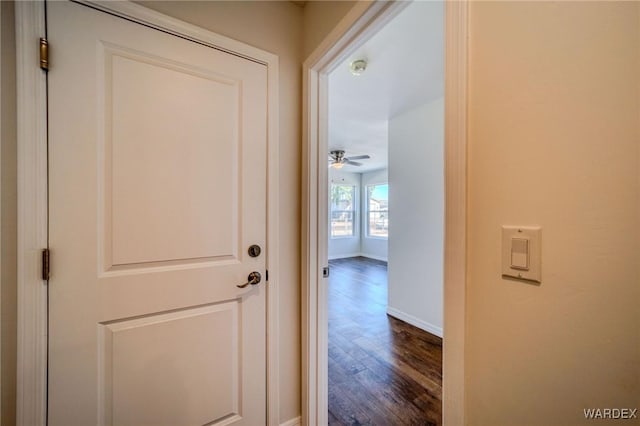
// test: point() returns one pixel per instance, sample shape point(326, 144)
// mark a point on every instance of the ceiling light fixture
point(337, 159)
point(358, 66)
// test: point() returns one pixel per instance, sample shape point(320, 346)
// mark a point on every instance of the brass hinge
point(46, 265)
point(44, 54)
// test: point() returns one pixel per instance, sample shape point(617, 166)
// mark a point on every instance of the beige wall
point(8, 205)
point(554, 140)
point(319, 18)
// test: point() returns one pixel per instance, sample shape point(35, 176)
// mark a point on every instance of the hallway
point(382, 371)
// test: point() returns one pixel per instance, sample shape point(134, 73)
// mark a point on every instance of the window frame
point(367, 212)
point(356, 209)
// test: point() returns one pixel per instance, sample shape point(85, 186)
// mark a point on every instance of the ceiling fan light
point(337, 165)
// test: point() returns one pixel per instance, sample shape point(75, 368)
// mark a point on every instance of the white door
point(157, 174)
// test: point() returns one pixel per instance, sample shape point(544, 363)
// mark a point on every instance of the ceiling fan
point(337, 159)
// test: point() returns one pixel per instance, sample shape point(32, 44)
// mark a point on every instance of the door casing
point(361, 22)
point(32, 194)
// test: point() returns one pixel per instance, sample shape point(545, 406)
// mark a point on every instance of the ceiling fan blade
point(353, 163)
point(359, 157)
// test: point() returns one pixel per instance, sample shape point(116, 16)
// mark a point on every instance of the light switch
point(521, 252)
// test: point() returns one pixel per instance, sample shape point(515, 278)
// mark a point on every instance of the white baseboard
point(293, 422)
point(417, 322)
point(373, 256)
point(345, 256)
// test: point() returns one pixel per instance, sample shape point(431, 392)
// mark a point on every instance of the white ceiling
point(405, 69)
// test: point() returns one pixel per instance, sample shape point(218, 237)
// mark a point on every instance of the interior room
point(385, 242)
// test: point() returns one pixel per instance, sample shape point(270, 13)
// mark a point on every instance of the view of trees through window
point(378, 210)
point(343, 202)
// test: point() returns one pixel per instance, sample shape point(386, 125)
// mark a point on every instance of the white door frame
point(363, 20)
point(32, 195)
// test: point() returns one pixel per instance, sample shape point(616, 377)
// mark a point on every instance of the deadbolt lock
point(255, 250)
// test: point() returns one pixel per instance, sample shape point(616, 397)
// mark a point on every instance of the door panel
point(157, 171)
point(139, 368)
point(192, 122)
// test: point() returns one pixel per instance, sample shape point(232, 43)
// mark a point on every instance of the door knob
point(253, 279)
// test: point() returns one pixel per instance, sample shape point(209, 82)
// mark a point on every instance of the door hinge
point(266, 275)
point(44, 54)
point(46, 265)
point(325, 272)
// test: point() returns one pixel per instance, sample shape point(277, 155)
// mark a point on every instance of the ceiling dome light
point(358, 66)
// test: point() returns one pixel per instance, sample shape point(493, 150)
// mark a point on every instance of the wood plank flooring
point(382, 371)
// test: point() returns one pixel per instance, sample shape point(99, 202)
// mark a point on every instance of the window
point(343, 206)
point(378, 211)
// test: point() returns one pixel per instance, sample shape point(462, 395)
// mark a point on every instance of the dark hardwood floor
point(382, 371)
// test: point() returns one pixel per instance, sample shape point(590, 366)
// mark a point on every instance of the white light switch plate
point(512, 237)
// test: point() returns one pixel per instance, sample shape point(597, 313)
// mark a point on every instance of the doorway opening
point(385, 136)
point(361, 23)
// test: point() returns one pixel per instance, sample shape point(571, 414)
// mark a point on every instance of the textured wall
point(554, 140)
